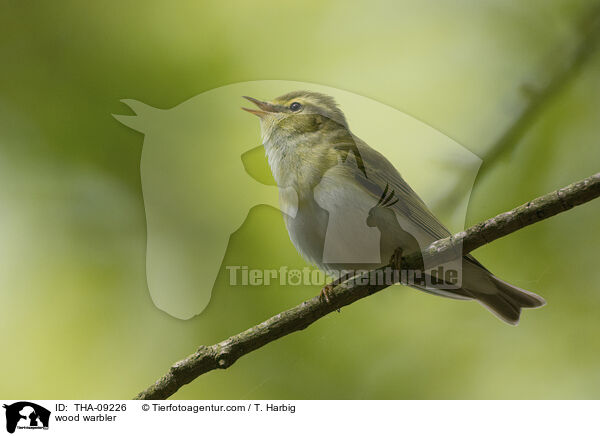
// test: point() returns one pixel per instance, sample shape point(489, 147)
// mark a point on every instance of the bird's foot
point(396, 259)
point(324, 295)
point(326, 291)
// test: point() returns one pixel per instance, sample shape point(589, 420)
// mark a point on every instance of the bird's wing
point(373, 172)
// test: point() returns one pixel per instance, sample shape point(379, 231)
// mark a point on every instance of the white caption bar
point(298, 417)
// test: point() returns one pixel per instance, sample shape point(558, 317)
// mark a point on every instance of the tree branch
point(227, 352)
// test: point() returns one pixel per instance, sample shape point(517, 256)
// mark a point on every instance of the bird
point(352, 208)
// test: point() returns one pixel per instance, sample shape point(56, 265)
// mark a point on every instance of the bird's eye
point(295, 106)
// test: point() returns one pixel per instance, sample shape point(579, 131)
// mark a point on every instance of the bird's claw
point(325, 292)
point(396, 259)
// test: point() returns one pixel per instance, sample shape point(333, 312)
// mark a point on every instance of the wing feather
point(374, 172)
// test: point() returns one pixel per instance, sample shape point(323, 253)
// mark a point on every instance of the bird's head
point(300, 132)
point(297, 114)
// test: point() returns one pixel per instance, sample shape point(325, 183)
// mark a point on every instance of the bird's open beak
point(264, 107)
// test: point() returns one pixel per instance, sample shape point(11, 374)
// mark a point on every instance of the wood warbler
point(347, 208)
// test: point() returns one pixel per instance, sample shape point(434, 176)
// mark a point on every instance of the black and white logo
point(26, 415)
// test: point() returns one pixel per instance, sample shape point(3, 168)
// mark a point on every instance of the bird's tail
point(507, 300)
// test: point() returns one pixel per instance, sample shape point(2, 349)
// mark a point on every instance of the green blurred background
point(76, 316)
